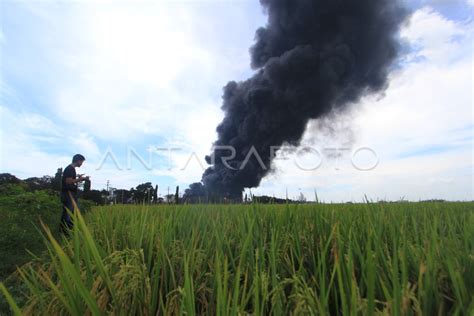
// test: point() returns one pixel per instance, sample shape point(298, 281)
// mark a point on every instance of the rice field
point(329, 259)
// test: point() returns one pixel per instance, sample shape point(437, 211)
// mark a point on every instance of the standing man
point(69, 191)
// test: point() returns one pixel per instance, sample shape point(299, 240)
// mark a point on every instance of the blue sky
point(117, 80)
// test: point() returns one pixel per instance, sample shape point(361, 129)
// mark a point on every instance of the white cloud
point(124, 73)
point(142, 69)
point(436, 38)
point(21, 136)
point(2, 36)
point(86, 145)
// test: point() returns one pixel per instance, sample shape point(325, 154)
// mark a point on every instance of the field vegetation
point(366, 259)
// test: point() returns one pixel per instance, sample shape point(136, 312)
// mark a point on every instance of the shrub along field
point(391, 258)
point(21, 212)
point(20, 215)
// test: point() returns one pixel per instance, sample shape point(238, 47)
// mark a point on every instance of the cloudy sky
point(136, 87)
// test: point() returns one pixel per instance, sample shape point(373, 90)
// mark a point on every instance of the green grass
point(361, 259)
point(21, 214)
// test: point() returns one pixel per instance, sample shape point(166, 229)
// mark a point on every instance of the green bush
point(20, 216)
point(21, 213)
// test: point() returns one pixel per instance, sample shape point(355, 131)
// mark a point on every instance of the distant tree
point(151, 194)
point(87, 185)
point(132, 198)
point(176, 195)
point(56, 181)
point(95, 196)
point(264, 199)
point(105, 196)
point(142, 192)
point(123, 196)
point(6, 178)
point(36, 183)
point(155, 194)
point(11, 185)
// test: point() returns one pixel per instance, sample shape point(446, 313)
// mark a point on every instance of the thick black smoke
point(314, 56)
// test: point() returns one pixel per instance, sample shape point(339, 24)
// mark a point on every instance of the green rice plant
point(350, 259)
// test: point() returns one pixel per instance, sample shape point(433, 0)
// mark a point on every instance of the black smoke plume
point(312, 57)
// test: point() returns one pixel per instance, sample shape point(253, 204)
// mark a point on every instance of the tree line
point(142, 193)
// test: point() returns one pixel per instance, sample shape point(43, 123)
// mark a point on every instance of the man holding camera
point(69, 183)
